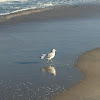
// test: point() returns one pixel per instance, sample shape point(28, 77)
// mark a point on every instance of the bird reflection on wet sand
point(49, 69)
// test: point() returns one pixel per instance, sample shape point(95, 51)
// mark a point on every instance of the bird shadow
point(27, 62)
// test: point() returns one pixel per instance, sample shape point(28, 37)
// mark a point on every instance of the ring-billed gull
point(49, 56)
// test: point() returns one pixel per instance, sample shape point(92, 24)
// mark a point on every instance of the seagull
point(49, 56)
point(49, 69)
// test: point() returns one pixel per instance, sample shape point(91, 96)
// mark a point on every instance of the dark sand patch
point(89, 87)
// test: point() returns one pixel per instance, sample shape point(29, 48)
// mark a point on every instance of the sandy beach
point(88, 88)
point(58, 12)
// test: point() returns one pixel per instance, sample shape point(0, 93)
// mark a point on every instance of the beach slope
point(88, 88)
point(58, 12)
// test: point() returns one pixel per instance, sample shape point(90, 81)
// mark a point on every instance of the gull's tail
point(43, 56)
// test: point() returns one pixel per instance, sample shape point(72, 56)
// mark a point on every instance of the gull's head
point(53, 50)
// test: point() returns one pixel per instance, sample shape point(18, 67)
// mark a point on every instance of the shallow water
point(21, 45)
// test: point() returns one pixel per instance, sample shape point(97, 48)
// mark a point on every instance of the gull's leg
point(47, 61)
point(51, 60)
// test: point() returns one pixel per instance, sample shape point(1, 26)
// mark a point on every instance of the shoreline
point(88, 88)
point(57, 12)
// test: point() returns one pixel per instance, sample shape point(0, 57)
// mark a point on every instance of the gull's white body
point(49, 56)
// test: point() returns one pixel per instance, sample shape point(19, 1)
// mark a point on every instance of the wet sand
point(59, 12)
point(88, 88)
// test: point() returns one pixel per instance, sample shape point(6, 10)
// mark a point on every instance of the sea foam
point(12, 0)
point(13, 6)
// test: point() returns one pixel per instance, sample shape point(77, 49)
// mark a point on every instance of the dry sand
point(89, 87)
point(69, 12)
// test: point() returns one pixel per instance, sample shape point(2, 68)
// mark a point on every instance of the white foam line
point(12, 0)
point(25, 9)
